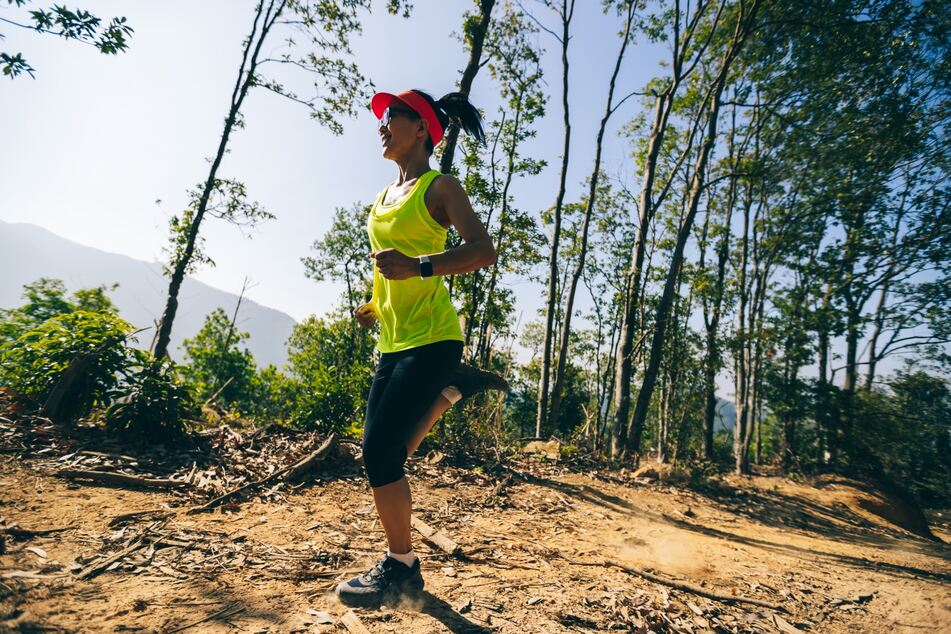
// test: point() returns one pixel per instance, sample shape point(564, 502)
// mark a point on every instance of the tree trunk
point(465, 84)
point(242, 84)
point(698, 183)
point(632, 296)
point(589, 208)
point(567, 12)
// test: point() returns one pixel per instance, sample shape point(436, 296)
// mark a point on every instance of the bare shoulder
point(445, 192)
point(447, 185)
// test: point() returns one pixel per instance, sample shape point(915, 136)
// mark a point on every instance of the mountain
point(29, 252)
point(725, 415)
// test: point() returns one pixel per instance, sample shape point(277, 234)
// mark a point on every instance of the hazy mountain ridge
point(28, 252)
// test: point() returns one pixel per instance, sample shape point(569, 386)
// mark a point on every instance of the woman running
point(420, 338)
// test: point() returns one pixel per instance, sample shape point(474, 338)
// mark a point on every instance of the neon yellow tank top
point(416, 311)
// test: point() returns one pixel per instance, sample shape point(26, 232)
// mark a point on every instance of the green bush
point(34, 363)
point(47, 298)
point(152, 402)
point(333, 361)
point(218, 364)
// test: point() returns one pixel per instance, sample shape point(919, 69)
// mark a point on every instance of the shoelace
point(377, 571)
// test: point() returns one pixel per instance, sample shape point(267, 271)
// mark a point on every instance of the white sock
point(405, 558)
point(452, 394)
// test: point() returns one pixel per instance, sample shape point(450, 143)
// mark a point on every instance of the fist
point(393, 265)
point(365, 315)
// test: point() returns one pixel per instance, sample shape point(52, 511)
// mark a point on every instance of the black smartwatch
point(425, 266)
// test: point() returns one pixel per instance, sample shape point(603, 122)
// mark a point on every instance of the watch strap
point(425, 267)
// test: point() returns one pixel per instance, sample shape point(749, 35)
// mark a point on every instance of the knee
point(383, 459)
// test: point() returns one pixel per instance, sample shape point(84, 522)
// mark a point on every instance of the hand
point(365, 315)
point(393, 265)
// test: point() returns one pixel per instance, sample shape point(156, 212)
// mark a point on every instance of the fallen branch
point(680, 585)
point(113, 477)
point(304, 465)
point(94, 569)
point(291, 471)
point(353, 624)
point(437, 538)
point(15, 531)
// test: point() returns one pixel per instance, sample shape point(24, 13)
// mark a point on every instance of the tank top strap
point(427, 180)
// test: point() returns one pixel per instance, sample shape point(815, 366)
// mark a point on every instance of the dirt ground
point(535, 542)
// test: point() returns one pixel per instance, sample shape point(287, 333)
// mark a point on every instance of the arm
point(451, 203)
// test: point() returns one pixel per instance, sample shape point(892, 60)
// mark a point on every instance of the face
point(399, 129)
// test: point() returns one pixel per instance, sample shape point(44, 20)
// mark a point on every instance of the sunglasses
point(387, 115)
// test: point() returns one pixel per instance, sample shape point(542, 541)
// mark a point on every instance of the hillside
point(545, 547)
point(28, 252)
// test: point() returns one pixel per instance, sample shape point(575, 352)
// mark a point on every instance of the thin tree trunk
point(252, 48)
point(712, 106)
point(712, 361)
point(227, 343)
point(609, 109)
point(632, 297)
point(468, 75)
point(567, 11)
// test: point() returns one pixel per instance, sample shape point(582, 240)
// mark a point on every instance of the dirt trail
point(533, 543)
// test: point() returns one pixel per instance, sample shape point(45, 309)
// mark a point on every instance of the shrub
point(152, 402)
point(41, 358)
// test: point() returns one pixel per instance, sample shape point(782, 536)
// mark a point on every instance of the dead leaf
point(323, 618)
point(784, 625)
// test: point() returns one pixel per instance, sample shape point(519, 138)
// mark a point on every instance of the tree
point(343, 253)
point(514, 62)
point(565, 9)
point(333, 370)
point(47, 298)
point(475, 29)
point(216, 360)
point(339, 85)
point(626, 9)
point(689, 40)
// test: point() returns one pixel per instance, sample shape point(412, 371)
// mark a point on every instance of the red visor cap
point(381, 100)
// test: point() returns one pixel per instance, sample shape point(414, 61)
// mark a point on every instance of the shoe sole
point(374, 601)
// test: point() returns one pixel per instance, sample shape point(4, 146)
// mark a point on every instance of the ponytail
point(455, 108)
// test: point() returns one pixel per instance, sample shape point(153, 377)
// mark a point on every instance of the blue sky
point(94, 140)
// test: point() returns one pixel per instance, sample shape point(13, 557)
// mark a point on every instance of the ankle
point(404, 558)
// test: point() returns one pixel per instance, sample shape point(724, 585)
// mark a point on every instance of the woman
point(420, 338)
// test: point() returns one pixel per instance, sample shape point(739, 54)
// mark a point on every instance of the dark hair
point(454, 108)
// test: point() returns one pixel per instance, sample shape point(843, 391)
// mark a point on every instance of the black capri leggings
point(405, 385)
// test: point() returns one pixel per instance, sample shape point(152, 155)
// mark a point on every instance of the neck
point(412, 167)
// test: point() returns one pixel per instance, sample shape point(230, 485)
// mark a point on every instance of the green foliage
point(906, 435)
point(343, 254)
point(76, 24)
point(215, 357)
point(332, 359)
point(328, 30)
point(152, 403)
point(275, 395)
point(514, 61)
point(47, 298)
point(33, 364)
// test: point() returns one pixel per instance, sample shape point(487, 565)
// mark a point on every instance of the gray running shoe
point(385, 582)
point(470, 381)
